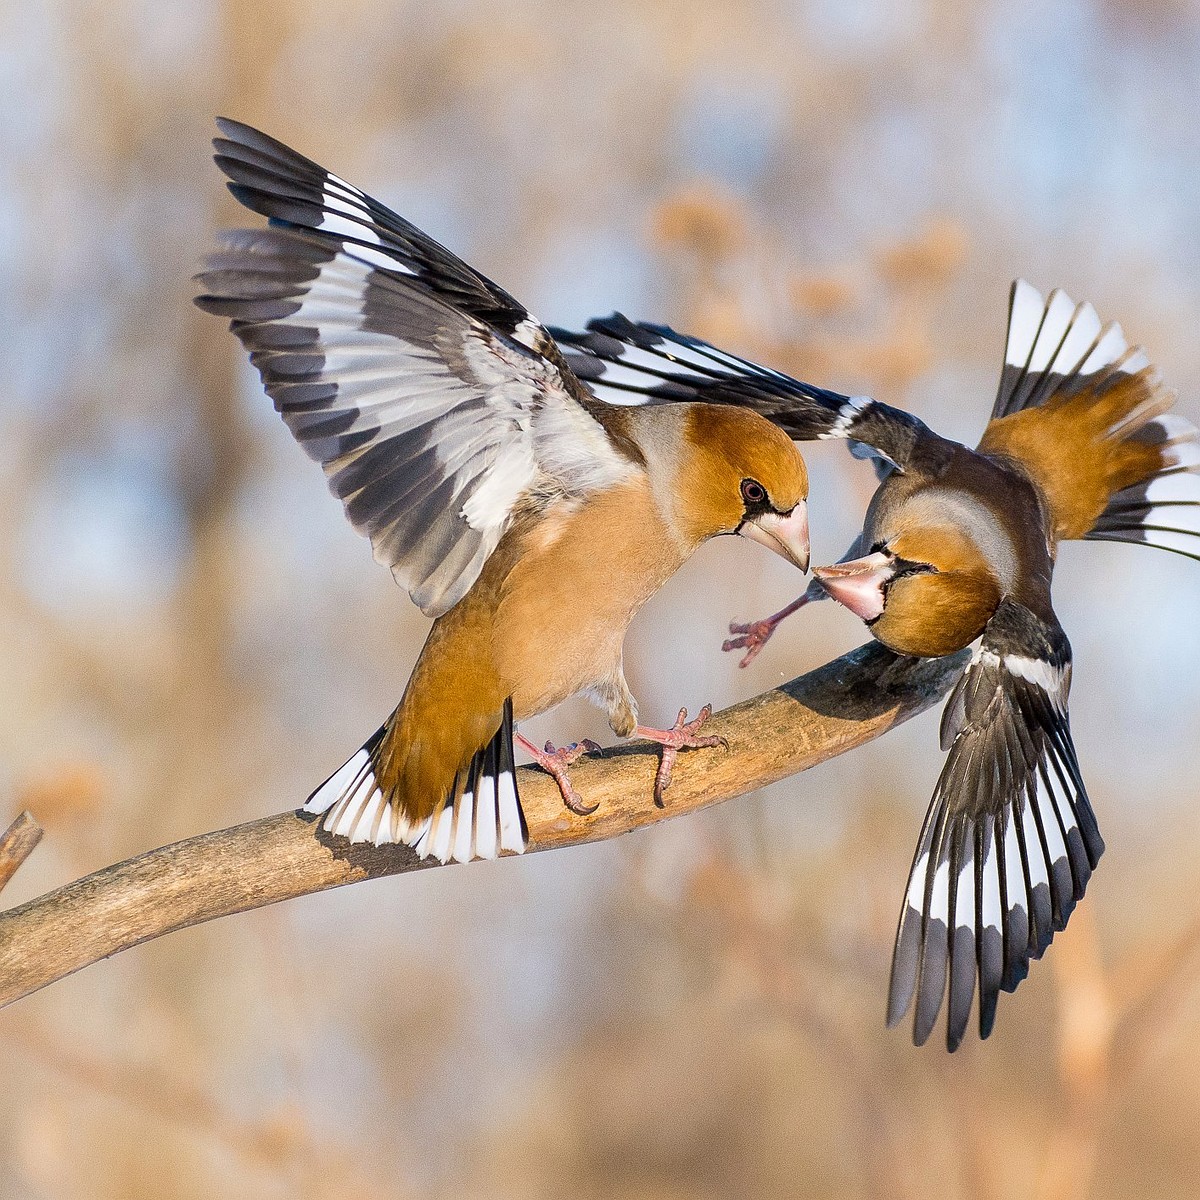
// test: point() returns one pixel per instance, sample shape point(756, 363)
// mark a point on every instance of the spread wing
point(436, 404)
point(1010, 840)
point(1070, 380)
point(628, 362)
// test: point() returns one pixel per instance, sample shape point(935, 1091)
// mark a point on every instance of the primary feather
point(412, 379)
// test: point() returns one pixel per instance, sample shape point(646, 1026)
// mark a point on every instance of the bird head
point(927, 590)
point(738, 473)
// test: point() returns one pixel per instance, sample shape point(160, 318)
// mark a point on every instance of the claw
point(574, 801)
point(681, 736)
point(556, 763)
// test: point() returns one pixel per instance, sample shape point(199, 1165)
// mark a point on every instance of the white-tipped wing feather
point(1010, 840)
point(419, 385)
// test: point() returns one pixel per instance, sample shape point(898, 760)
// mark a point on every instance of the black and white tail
point(482, 818)
point(1057, 349)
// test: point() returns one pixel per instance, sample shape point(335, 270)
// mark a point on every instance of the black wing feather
point(634, 362)
point(1010, 839)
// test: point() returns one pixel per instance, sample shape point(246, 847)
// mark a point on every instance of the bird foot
point(556, 763)
point(754, 635)
point(681, 736)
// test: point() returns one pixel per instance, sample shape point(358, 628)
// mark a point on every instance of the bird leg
point(681, 736)
point(753, 636)
point(556, 763)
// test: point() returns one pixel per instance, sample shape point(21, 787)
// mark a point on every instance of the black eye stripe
point(906, 566)
point(903, 566)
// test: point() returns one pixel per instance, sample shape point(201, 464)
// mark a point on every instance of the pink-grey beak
point(785, 534)
point(858, 584)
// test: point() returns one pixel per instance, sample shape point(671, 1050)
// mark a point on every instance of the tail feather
point(481, 816)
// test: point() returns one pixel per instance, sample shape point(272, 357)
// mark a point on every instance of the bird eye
point(753, 492)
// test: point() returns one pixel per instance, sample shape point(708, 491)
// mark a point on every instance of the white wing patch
point(1054, 680)
point(849, 412)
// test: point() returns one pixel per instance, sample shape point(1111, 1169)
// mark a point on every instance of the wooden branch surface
point(831, 710)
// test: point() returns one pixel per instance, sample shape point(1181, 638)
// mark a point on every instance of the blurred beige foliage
point(192, 636)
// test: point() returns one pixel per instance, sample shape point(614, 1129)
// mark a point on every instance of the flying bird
point(959, 545)
point(530, 518)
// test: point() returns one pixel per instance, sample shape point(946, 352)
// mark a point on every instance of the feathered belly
point(565, 605)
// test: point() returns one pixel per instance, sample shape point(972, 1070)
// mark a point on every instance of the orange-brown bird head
point(928, 590)
point(738, 473)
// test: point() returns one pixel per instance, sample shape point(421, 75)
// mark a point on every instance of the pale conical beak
point(858, 584)
point(786, 535)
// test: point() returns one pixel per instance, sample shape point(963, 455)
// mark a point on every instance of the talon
point(574, 802)
point(556, 763)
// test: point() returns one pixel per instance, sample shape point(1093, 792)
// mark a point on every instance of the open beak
point(858, 584)
point(786, 535)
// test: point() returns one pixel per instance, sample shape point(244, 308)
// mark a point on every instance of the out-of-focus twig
point(17, 844)
point(831, 710)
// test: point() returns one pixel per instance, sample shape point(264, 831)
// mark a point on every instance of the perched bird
point(530, 519)
point(960, 544)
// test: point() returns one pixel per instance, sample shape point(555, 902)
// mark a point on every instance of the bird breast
point(579, 578)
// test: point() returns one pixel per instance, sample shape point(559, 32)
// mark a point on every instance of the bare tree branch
point(831, 710)
point(17, 844)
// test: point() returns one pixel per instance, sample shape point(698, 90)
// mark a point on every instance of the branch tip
point(17, 844)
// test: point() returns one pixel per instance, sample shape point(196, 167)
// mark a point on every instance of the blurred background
point(192, 635)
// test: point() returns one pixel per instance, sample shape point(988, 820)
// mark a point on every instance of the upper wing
point(1087, 418)
point(436, 404)
point(274, 180)
point(627, 362)
point(1010, 840)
